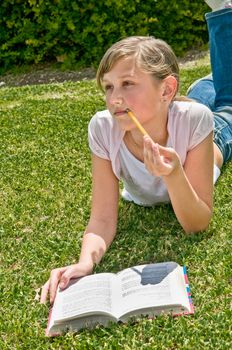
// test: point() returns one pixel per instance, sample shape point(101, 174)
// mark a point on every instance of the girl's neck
point(156, 129)
point(134, 141)
point(160, 138)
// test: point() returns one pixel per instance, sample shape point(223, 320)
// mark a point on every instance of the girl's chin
point(124, 124)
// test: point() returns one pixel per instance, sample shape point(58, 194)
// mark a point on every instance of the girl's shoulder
point(190, 106)
point(190, 112)
point(104, 134)
point(189, 122)
point(103, 121)
point(102, 117)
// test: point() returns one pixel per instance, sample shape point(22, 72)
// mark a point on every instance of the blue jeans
point(215, 91)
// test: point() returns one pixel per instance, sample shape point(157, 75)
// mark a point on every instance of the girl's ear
point(170, 88)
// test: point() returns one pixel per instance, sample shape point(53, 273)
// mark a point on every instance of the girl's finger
point(166, 151)
point(147, 151)
point(71, 272)
point(44, 292)
point(157, 159)
point(54, 282)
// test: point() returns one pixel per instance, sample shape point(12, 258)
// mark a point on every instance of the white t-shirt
point(189, 123)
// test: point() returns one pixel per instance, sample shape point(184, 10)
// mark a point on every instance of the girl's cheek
point(107, 100)
point(108, 105)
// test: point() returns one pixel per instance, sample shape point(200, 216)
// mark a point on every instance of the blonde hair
point(152, 55)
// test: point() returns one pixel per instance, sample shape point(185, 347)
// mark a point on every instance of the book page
point(151, 285)
point(87, 295)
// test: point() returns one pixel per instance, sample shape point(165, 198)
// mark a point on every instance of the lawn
point(45, 193)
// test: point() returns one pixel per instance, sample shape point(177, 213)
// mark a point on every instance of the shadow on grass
point(149, 235)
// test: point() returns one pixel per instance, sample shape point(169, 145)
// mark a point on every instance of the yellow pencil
point(137, 123)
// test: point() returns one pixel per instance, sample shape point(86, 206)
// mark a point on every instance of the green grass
point(45, 192)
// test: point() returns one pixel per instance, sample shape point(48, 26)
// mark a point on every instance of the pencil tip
point(127, 110)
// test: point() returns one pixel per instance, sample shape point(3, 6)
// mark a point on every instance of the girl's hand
point(159, 160)
point(61, 276)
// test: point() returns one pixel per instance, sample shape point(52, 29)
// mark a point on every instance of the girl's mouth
point(119, 113)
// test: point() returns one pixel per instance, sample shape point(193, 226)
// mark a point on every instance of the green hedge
point(33, 31)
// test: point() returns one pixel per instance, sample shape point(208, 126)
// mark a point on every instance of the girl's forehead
point(123, 66)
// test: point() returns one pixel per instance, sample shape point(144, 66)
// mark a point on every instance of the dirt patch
point(194, 58)
point(47, 74)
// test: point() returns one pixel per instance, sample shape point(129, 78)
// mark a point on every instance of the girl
point(176, 161)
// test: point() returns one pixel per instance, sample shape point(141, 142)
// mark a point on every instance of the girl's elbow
point(197, 226)
point(193, 229)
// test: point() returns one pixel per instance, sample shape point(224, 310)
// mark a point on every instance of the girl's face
point(127, 86)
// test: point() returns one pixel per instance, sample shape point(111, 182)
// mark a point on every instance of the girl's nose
point(118, 101)
point(116, 98)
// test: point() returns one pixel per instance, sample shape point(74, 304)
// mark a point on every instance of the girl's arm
point(190, 188)
point(102, 225)
point(99, 232)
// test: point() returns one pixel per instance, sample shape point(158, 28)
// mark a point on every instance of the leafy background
point(77, 33)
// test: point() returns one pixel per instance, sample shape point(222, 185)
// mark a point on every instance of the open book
point(101, 298)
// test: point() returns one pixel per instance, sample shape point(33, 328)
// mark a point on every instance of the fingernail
point(155, 147)
point(62, 285)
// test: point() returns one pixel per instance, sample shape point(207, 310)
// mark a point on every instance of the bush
point(34, 31)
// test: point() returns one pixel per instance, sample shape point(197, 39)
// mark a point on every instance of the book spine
point(188, 291)
point(47, 331)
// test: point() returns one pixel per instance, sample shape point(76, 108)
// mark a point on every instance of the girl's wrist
point(88, 266)
point(177, 172)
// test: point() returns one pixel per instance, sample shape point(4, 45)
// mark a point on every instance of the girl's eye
point(107, 87)
point(127, 83)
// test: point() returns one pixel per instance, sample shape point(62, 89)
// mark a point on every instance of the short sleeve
point(189, 123)
point(201, 124)
point(97, 136)
point(105, 137)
